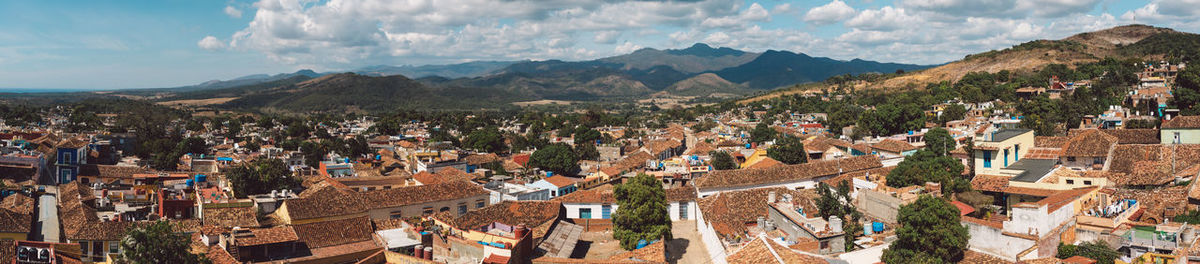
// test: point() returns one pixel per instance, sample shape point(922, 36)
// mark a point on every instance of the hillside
point(706, 84)
point(695, 59)
point(774, 69)
point(460, 70)
point(354, 92)
point(1130, 41)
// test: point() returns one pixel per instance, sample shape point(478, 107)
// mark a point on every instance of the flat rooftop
point(1033, 169)
point(1005, 134)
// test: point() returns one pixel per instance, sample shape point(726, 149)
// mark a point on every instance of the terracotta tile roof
point(786, 173)
point(875, 173)
point(682, 193)
point(728, 212)
point(862, 147)
point(654, 253)
point(336, 232)
point(757, 252)
point(972, 257)
point(1147, 173)
point(107, 231)
point(73, 143)
point(18, 203)
point(1134, 136)
point(452, 174)
point(325, 202)
point(246, 216)
point(532, 214)
point(402, 196)
point(480, 159)
point(1049, 142)
point(1182, 122)
point(111, 171)
point(1043, 153)
point(263, 236)
point(427, 178)
point(1061, 198)
point(894, 146)
point(560, 181)
point(1029, 191)
point(1156, 202)
point(1125, 156)
point(766, 162)
point(701, 148)
point(8, 250)
point(15, 222)
point(597, 195)
point(1089, 143)
point(218, 255)
point(660, 146)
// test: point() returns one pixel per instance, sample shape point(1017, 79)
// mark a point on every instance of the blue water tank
point(867, 229)
point(190, 182)
point(747, 145)
point(201, 178)
point(549, 173)
point(877, 226)
point(642, 243)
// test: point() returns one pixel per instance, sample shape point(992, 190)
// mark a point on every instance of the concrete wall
point(712, 242)
point(1037, 221)
point(1025, 141)
point(674, 209)
point(993, 242)
point(1186, 136)
point(835, 244)
point(801, 184)
point(879, 205)
point(418, 209)
point(597, 213)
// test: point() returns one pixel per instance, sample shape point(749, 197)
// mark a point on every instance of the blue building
point(69, 155)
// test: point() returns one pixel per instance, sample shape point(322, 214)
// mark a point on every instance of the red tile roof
point(1181, 122)
point(336, 232)
point(894, 146)
point(1089, 143)
point(786, 173)
point(560, 181)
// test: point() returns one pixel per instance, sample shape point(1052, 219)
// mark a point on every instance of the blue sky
point(138, 44)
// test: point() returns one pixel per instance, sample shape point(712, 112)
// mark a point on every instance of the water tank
point(190, 182)
point(867, 229)
point(642, 243)
point(835, 224)
point(201, 178)
point(877, 227)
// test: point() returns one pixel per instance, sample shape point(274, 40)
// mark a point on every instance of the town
point(1013, 174)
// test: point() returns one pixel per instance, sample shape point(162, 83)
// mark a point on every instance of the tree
point(789, 150)
point(587, 151)
point(939, 141)
point(157, 243)
point(762, 133)
point(488, 139)
point(261, 176)
point(1096, 250)
point(358, 146)
point(929, 232)
point(722, 161)
point(953, 112)
point(558, 158)
point(1187, 91)
point(924, 166)
point(586, 135)
point(641, 212)
point(314, 153)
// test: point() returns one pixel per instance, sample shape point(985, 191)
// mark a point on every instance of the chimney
point(419, 251)
point(428, 253)
point(771, 197)
point(520, 231)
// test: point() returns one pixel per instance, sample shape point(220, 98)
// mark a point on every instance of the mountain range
point(699, 70)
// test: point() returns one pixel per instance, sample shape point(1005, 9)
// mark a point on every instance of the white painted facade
point(992, 241)
point(795, 185)
point(596, 210)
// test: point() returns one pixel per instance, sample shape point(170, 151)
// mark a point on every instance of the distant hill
point(774, 68)
point(695, 59)
point(246, 80)
point(706, 84)
point(461, 70)
point(360, 93)
point(1129, 41)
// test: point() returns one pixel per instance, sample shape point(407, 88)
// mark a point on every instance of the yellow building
point(998, 150)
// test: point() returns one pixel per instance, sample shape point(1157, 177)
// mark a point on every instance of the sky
point(103, 44)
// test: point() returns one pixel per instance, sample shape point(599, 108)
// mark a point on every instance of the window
point(97, 248)
point(1087, 182)
point(113, 247)
point(605, 211)
point(444, 209)
point(1006, 158)
point(1017, 152)
point(1097, 160)
point(1070, 181)
point(1177, 141)
point(1070, 159)
point(396, 215)
point(987, 158)
point(683, 210)
point(553, 193)
point(462, 208)
point(428, 210)
point(824, 245)
point(479, 203)
point(585, 213)
point(83, 247)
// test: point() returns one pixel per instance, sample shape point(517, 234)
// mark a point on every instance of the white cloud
point(784, 8)
point(606, 37)
point(832, 12)
point(233, 12)
point(211, 43)
point(886, 18)
point(755, 13)
point(626, 48)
